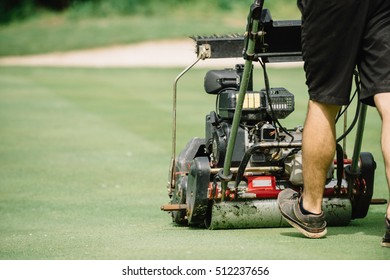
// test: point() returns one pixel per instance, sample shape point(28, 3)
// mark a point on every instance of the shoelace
point(295, 195)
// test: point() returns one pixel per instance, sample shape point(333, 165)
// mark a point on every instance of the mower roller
point(231, 177)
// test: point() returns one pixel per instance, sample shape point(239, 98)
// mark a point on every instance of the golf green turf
point(84, 158)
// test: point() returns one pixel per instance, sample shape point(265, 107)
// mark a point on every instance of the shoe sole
point(385, 244)
point(313, 235)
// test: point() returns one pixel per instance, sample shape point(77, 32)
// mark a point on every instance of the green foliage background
point(32, 29)
point(11, 10)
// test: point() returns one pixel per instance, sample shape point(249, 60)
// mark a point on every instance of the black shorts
point(337, 36)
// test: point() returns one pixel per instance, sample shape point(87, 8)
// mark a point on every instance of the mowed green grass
point(84, 157)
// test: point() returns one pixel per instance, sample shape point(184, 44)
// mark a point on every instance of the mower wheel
point(197, 188)
point(179, 197)
point(363, 187)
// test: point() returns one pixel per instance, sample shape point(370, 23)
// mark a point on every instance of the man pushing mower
point(336, 37)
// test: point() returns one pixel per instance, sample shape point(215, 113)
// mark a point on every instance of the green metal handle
point(359, 139)
point(240, 101)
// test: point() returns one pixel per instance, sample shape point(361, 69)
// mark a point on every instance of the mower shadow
point(371, 227)
point(294, 234)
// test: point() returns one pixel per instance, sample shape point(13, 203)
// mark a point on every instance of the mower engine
point(257, 120)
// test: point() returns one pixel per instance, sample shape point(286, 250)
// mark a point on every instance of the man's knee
point(327, 110)
point(382, 103)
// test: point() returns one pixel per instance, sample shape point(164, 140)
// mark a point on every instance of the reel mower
point(231, 177)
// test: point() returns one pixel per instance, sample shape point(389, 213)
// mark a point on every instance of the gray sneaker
point(312, 226)
point(386, 237)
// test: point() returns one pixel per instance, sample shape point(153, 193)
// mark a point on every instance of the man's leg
point(318, 151)
point(382, 102)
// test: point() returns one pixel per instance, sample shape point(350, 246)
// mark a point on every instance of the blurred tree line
point(19, 9)
point(11, 10)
